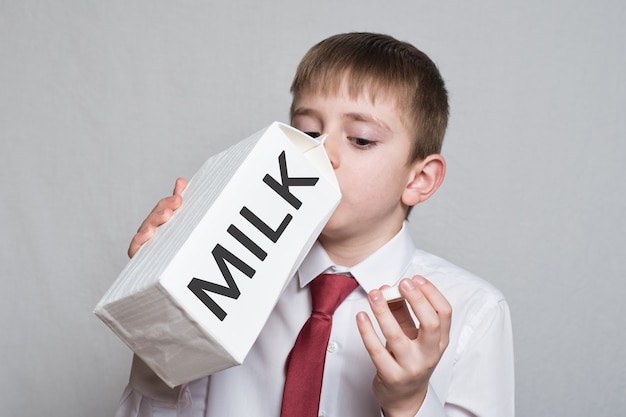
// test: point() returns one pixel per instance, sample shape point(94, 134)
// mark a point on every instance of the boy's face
point(368, 146)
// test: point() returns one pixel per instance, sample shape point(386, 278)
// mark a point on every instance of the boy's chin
point(337, 230)
point(331, 231)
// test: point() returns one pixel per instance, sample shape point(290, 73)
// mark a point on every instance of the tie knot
point(329, 290)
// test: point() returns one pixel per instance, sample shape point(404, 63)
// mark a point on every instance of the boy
point(384, 107)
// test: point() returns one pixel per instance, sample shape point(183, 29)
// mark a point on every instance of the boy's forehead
point(345, 85)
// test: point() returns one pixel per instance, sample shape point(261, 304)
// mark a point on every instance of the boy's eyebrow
point(367, 118)
point(357, 117)
point(303, 111)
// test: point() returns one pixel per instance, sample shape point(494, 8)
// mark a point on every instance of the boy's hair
point(377, 64)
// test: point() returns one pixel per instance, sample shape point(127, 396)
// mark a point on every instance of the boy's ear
point(426, 177)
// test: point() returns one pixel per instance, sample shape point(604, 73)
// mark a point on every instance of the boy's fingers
point(381, 358)
point(142, 236)
point(163, 211)
point(397, 341)
point(159, 215)
point(409, 354)
point(432, 310)
point(401, 313)
point(179, 186)
point(165, 208)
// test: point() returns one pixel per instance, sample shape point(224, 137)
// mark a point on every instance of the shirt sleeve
point(482, 381)
point(431, 407)
point(146, 395)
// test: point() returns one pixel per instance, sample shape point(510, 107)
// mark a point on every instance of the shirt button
point(332, 347)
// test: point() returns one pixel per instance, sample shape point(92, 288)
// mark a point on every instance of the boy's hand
point(405, 365)
point(160, 214)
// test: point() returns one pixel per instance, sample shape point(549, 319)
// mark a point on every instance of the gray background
point(103, 104)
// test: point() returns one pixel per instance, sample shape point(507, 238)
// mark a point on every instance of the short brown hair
point(382, 65)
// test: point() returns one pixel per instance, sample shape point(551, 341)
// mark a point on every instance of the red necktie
point(305, 363)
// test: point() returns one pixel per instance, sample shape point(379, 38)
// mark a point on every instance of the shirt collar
point(385, 266)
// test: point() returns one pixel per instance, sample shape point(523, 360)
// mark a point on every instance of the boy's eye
point(313, 134)
point(362, 143)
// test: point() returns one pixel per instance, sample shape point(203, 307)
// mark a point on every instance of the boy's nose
point(330, 144)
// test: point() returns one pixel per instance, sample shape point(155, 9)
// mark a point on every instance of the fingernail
point(419, 280)
point(376, 296)
point(361, 316)
point(407, 284)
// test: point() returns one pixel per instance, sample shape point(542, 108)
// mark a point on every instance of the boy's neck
point(351, 251)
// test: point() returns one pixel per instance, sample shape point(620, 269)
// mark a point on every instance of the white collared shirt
point(473, 378)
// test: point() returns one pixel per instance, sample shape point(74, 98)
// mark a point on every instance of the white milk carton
point(193, 299)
